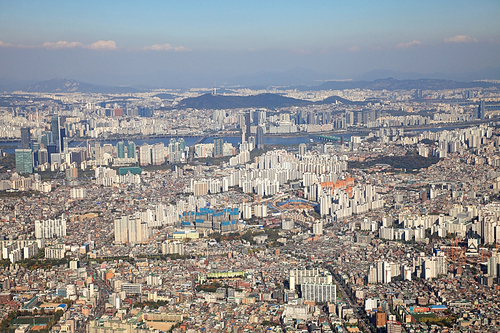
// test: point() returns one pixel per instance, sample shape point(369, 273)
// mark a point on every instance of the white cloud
point(164, 47)
point(2, 44)
point(102, 45)
point(460, 39)
point(99, 45)
point(301, 51)
point(62, 44)
point(409, 44)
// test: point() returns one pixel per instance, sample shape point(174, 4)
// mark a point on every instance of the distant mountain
point(62, 85)
point(165, 96)
point(394, 84)
point(381, 73)
point(335, 99)
point(484, 74)
point(209, 101)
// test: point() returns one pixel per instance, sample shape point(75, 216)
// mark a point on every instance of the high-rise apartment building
point(50, 228)
point(158, 154)
point(302, 149)
point(120, 150)
point(319, 292)
point(145, 154)
point(130, 230)
point(131, 150)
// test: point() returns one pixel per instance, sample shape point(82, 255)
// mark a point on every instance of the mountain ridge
point(63, 85)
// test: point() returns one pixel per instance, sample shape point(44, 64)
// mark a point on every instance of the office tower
point(218, 147)
point(131, 150)
point(259, 138)
point(25, 138)
point(43, 156)
point(120, 150)
point(62, 140)
point(247, 126)
point(56, 127)
point(65, 145)
point(24, 161)
point(481, 111)
point(146, 112)
point(46, 138)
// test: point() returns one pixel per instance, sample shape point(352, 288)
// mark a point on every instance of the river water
point(234, 140)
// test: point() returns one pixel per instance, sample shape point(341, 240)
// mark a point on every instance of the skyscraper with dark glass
point(218, 147)
point(259, 138)
point(25, 137)
point(247, 126)
point(56, 134)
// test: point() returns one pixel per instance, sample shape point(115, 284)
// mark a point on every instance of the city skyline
point(192, 44)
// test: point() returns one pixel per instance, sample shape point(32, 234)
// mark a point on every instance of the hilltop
point(62, 85)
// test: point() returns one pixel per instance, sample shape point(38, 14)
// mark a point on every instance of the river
point(234, 140)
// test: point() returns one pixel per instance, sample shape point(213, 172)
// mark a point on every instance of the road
point(363, 323)
point(104, 290)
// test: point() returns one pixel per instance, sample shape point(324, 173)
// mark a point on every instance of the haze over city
point(249, 166)
point(188, 43)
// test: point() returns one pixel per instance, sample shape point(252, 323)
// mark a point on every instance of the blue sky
point(342, 38)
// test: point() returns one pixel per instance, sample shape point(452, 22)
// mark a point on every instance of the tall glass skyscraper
point(24, 161)
point(259, 138)
point(218, 147)
point(56, 126)
point(25, 137)
point(247, 126)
